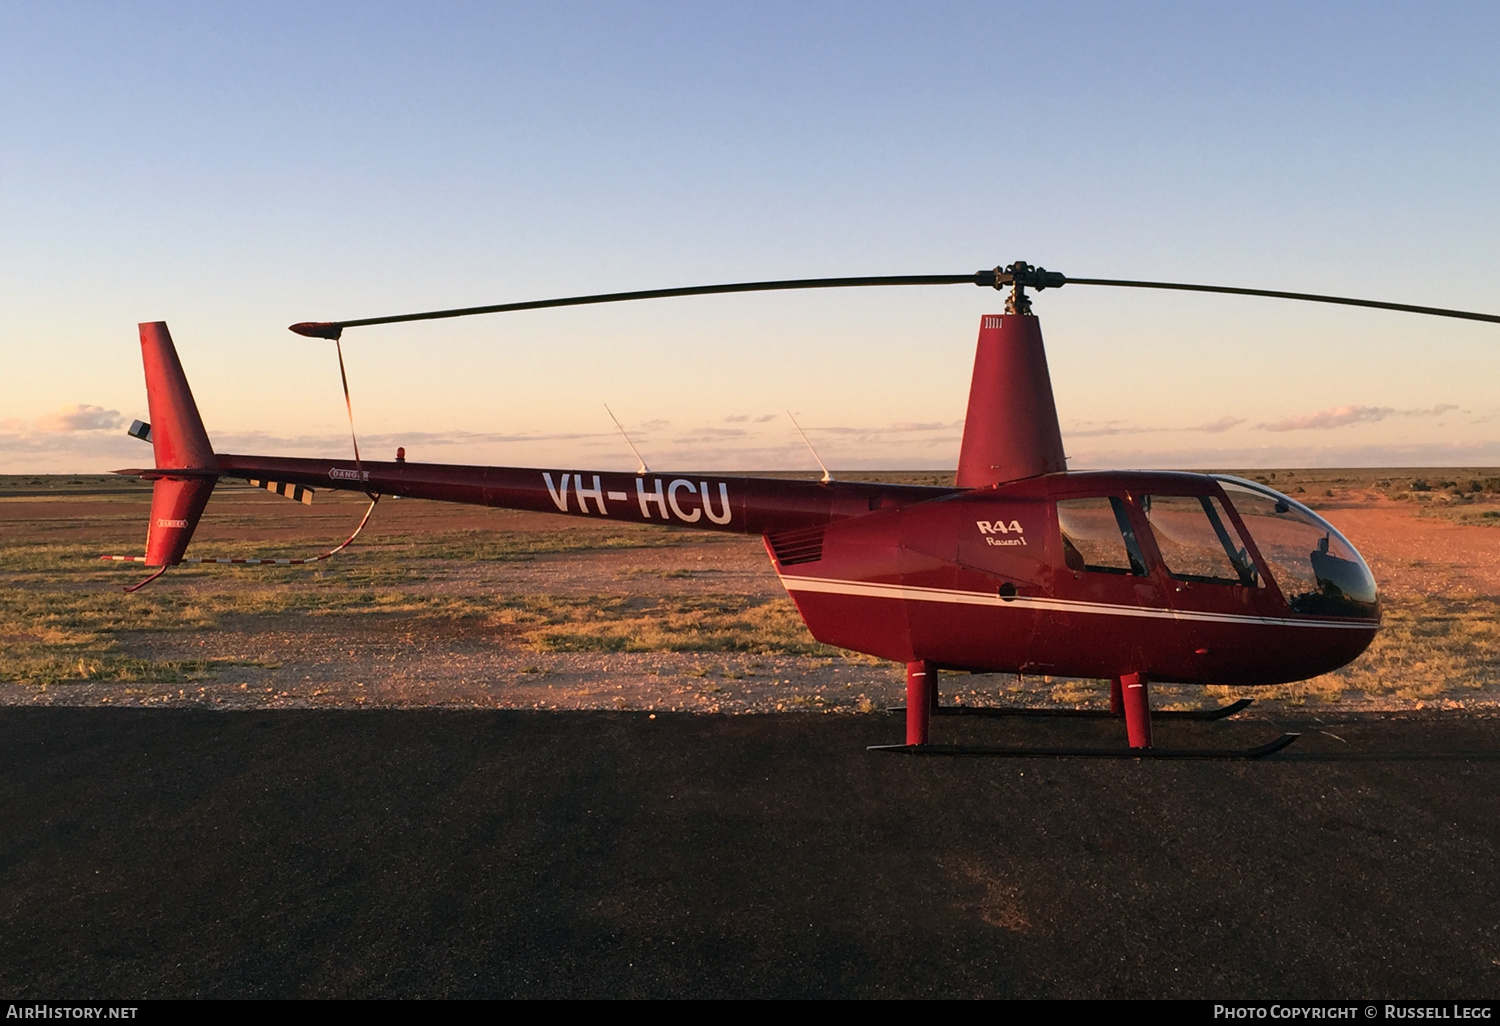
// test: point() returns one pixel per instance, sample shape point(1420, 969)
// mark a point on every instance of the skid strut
point(1137, 701)
point(1130, 700)
point(921, 699)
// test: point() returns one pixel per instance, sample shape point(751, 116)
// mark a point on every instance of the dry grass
point(480, 546)
point(1465, 495)
point(1430, 650)
point(62, 616)
point(598, 623)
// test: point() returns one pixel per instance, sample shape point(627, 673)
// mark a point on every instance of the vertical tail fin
point(176, 429)
point(183, 451)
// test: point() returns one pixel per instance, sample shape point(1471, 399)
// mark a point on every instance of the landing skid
point(1082, 714)
point(1000, 751)
point(1129, 701)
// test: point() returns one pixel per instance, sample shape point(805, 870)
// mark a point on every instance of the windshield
point(1318, 571)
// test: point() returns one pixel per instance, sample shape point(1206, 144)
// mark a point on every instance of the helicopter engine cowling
point(1010, 430)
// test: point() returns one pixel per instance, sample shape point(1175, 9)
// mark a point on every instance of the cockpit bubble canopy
point(1318, 571)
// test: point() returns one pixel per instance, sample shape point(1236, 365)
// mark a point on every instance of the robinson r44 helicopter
point(1021, 567)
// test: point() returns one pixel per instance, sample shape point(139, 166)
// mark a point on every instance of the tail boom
point(713, 502)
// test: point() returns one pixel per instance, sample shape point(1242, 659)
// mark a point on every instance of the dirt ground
point(423, 611)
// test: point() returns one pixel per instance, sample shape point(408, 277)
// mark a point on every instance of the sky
point(231, 169)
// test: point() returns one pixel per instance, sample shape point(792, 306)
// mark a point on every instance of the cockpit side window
point(1198, 541)
point(1097, 537)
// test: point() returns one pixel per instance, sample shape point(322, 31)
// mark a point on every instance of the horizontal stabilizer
point(157, 473)
point(295, 492)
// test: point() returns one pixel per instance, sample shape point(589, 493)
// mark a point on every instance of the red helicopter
point(1021, 567)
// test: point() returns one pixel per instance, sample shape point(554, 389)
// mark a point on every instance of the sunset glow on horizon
point(233, 170)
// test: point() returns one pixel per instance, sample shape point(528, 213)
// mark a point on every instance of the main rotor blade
point(1018, 274)
point(1375, 304)
point(332, 329)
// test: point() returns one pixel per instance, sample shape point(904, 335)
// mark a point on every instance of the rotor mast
point(1011, 429)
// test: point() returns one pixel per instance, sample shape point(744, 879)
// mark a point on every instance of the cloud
point(1337, 417)
point(1110, 427)
point(709, 432)
point(12, 425)
point(1342, 416)
point(338, 444)
point(738, 418)
point(80, 417)
point(934, 425)
point(1479, 453)
point(899, 428)
point(1107, 428)
point(765, 418)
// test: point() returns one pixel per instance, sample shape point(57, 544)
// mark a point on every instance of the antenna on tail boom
point(642, 469)
point(826, 475)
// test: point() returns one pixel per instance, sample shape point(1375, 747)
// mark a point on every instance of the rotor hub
point(1019, 276)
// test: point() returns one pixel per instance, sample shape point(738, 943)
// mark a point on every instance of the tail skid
point(253, 562)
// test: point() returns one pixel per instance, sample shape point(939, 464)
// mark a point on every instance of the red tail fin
point(176, 429)
point(181, 445)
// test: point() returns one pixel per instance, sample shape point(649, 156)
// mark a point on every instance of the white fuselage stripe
point(865, 589)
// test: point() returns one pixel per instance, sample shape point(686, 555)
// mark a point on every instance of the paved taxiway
point(155, 853)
